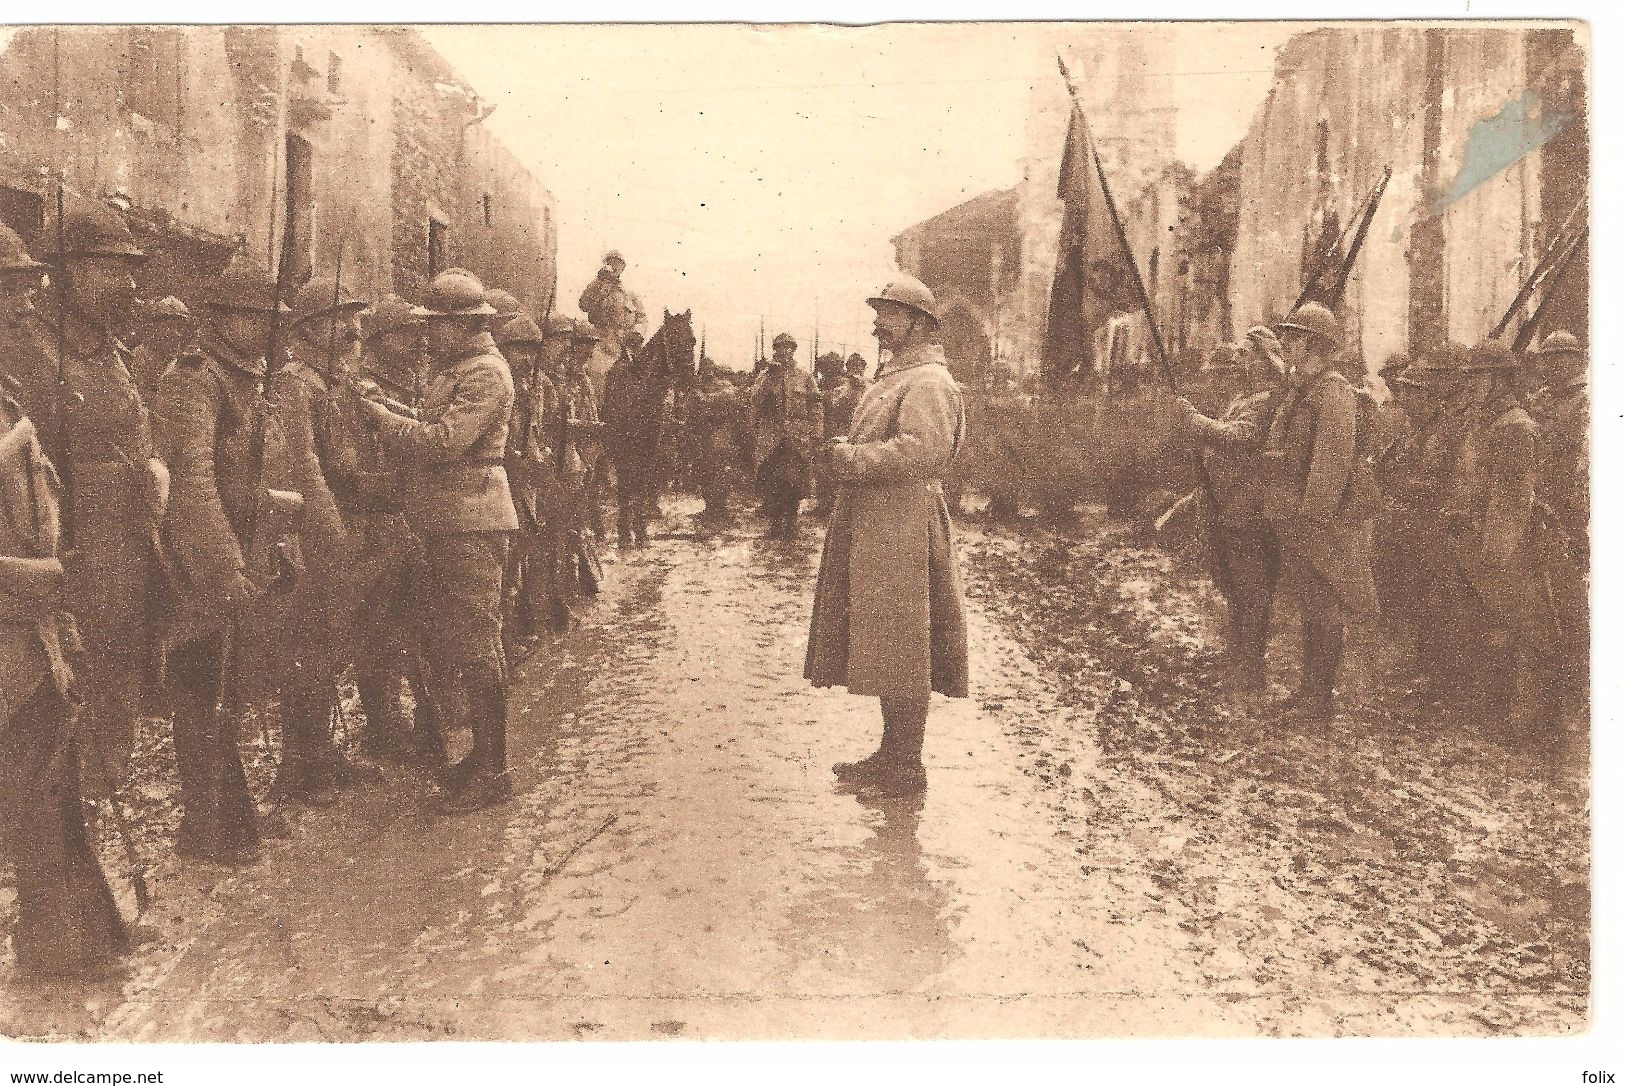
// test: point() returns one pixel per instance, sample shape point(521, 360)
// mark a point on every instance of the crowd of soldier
point(1453, 510)
point(293, 485)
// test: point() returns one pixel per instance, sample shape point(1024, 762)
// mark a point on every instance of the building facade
point(1484, 128)
point(1485, 131)
point(364, 140)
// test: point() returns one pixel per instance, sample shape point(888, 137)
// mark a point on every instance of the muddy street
point(679, 862)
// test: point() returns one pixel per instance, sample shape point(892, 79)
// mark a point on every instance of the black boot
point(487, 781)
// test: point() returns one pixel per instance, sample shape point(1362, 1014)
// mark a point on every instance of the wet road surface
point(678, 861)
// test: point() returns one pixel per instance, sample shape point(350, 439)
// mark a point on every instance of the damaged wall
point(385, 137)
point(1459, 115)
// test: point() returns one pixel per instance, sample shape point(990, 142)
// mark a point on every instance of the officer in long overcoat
point(787, 431)
point(458, 503)
point(889, 615)
point(1318, 500)
point(66, 919)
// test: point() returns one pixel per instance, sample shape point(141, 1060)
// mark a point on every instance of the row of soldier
point(1456, 510)
point(232, 516)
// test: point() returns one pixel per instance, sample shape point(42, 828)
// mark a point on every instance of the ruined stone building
point(1485, 129)
point(1119, 73)
point(1486, 132)
point(366, 138)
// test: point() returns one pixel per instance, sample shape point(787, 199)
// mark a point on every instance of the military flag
point(1095, 274)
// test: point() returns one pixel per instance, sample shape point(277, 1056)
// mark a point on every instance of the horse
point(634, 411)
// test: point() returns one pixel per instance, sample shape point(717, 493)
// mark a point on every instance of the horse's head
point(670, 351)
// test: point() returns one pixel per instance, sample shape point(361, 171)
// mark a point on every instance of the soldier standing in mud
point(458, 503)
point(1317, 505)
point(67, 922)
point(521, 342)
point(1410, 565)
point(100, 439)
point(889, 615)
point(1249, 552)
point(384, 550)
point(208, 418)
point(326, 327)
point(716, 418)
point(787, 429)
point(1490, 521)
point(1563, 493)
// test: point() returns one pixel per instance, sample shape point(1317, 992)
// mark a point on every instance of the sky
point(757, 173)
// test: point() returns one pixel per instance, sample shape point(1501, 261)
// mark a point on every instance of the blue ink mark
point(1498, 142)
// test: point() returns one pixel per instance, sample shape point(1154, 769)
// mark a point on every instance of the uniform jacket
point(1234, 441)
point(1316, 499)
point(31, 594)
point(316, 447)
point(787, 409)
point(1492, 515)
point(452, 457)
point(205, 413)
point(611, 307)
point(889, 614)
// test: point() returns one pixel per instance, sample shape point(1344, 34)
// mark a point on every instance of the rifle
point(1204, 483)
point(1559, 268)
point(1368, 212)
point(1540, 271)
point(1334, 298)
point(59, 406)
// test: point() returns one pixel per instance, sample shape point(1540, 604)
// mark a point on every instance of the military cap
point(321, 297)
point(584, 330)
point(391, 314)
point(455, 293)
point(169, 308)
point(93, 228)
point(244, 288)
point(503, 302)
point(1316, 320)
point(1560, 343)
point(909, 293)
point(559, 326)
point(1489, 356)
point(784, 338)
point(518, 329)
point(14, 256)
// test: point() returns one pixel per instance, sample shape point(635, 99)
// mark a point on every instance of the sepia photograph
point(741, 532)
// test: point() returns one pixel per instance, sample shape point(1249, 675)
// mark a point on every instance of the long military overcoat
point(889, 614)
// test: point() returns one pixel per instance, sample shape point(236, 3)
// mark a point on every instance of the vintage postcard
point(744, 532)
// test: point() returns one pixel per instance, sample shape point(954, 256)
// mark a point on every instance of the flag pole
point(1122, 232)
point(1204, 482)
